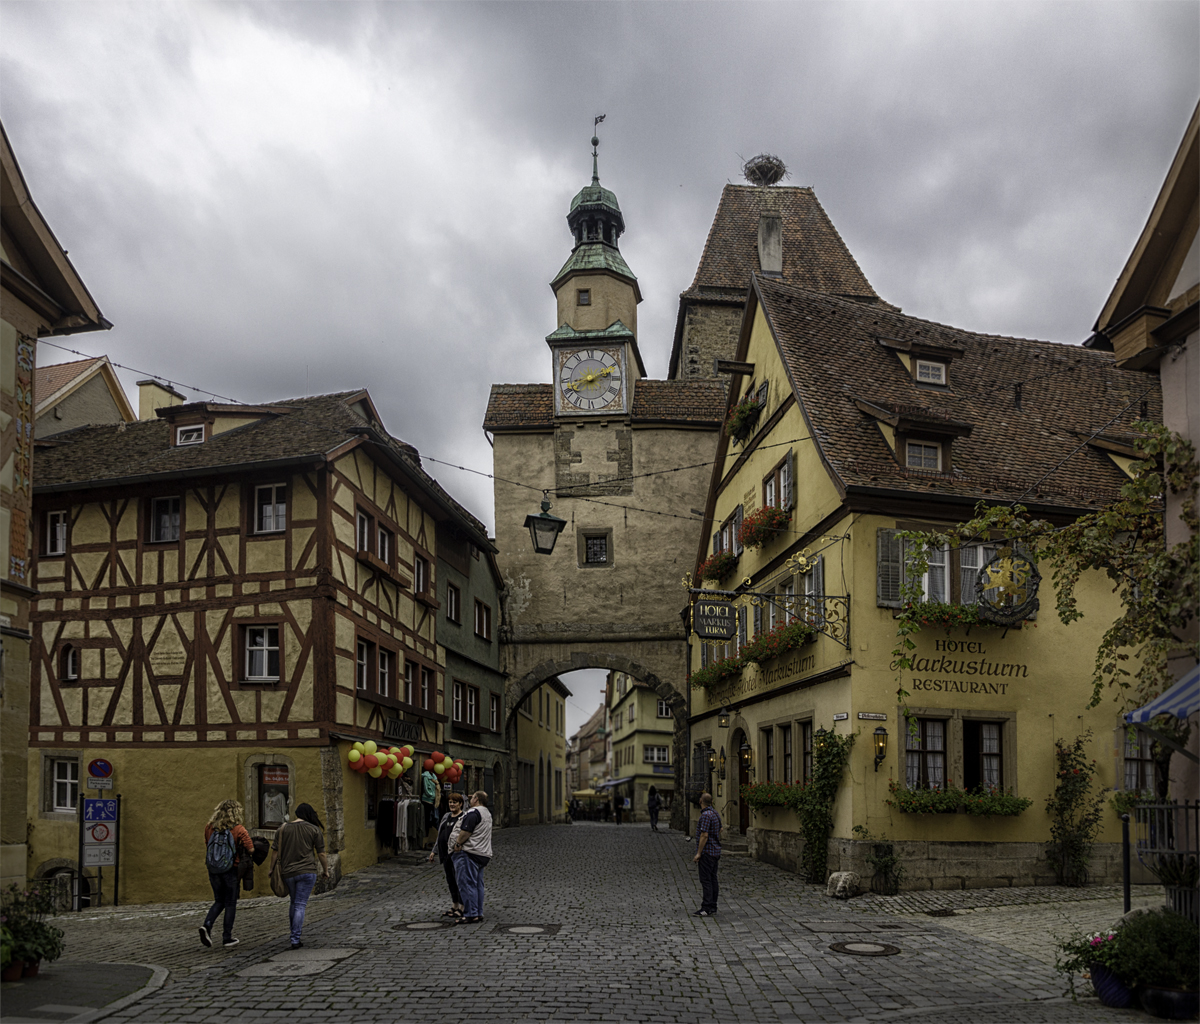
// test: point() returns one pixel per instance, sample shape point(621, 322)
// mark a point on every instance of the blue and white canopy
point(1181, 700)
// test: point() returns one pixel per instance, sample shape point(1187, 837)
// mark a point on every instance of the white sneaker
point(229, 942)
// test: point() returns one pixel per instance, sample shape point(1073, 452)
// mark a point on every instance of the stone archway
point(657, 662)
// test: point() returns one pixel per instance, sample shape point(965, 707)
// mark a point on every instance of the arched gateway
point(623, 459)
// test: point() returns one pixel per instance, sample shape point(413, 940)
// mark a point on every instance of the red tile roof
point(49, 380)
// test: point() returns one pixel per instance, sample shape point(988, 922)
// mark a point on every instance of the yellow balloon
point(439, 769)
point(393, 750)
point(358, 746)
point(406, 764)
point(449, 762)
point(375, 772)
point(394, 773)
point(370, 747)
point(353, 756)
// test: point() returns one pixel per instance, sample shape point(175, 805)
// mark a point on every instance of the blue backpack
point(221, 853)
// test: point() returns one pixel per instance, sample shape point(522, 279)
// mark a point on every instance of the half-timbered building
point(230, 597)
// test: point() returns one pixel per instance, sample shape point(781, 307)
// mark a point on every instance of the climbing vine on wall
point(814, 805)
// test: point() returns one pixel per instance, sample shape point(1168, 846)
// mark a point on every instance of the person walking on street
point(442, 850)
point(652, 805)
point(617, 804)
point(226, 842)
point(471, 849)
point(708, 854)
point(298, 845)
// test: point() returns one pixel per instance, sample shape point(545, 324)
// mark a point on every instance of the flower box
point(777, 642)
point(742, 418)
point(763, 526)
point(718, 566)
point(981, 802)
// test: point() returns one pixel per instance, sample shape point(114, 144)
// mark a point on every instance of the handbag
point(277, 884)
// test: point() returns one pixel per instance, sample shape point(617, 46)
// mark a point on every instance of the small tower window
point(69, 671)
point(584, 297)
point(931, 373)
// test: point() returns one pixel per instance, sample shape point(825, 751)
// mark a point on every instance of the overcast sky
point(274, 200)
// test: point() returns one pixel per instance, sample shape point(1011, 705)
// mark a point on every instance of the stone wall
point(710, 331)
point(945, 865)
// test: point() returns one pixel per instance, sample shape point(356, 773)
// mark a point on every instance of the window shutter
point(889, 566)
point(761, 397)
point(737, 530)
point(703, 654)
point(787, 473)
point(758, 617)
point(717, 542)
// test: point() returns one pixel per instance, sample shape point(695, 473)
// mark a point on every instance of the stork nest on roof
point(764, 169)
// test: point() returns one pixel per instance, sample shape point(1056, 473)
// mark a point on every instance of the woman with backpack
point(297, 846)
point(225, 842)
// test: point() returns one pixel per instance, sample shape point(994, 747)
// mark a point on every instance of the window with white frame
point(813, 582)
point(785, 752)
point(427, 688)
point(930, 372)
point(421, 576)
point(656, 755)
point(935, 583)
point(972, 558)
point(483, 620)
point(385, 665)
point(362, 666)
point(364, 526)
point(164, 520)
point(982, 755)
point(262, 653)
point(56, 533)
point(1139, 762)
point(189, 435)
point(408, 682)
point(494, 721)
point(384, 543)
point(64, 784)
point(472, 705)
point(923, 455)
point(664, 709)
point(460, 696)
point(768, 749)
point(270, 508)
point(453, 603)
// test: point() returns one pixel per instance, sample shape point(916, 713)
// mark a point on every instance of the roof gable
point(53, 384)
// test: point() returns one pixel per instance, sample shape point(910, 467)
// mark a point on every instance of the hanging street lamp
point(881, 738)
point(545, 528)
point(723, 717)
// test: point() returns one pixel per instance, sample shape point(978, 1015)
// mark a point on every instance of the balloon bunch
point(370, 759)
point(445, 765)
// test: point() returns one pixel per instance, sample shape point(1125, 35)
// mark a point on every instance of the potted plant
point(742, 418)
point(1154, 956)
point(30, 939)
point(762, 525)
point(717, 566)
point(10, 966)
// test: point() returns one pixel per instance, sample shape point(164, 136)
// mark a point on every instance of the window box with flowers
point(943, 615)
point(767, 795)
point(763, 525)
point(717, 566)
point(982, 802)
point(778, 641)
point(742, 418)
point(717, 673)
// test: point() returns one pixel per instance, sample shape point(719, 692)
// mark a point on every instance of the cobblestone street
point(619, 944)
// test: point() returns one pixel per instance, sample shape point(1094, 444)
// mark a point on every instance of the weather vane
point(595, 154)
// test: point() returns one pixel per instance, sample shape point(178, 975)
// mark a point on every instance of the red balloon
point(371, 761)
point(437, 757)
point(429, 764)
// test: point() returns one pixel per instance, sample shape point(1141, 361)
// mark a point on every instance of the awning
point(1181, 700)
point(614, 782)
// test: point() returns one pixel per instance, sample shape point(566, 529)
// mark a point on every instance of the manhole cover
point(865, 948)
point(941, 912)
point(422, 926)
point(528, 929)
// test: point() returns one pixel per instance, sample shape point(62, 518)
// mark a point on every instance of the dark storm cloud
point(269, 200)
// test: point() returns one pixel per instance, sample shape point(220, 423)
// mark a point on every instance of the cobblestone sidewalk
point(606, 934)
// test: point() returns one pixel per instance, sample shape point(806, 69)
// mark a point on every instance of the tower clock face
point(590, 380)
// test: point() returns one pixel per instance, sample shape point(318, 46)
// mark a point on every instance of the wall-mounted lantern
point(712, 758)
point(545, 528)
point(881, 737)
point(723, 717)
point(746, 752)
point(722, 762)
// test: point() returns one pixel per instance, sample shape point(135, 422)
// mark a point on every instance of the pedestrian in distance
point(298, 846)
point(708, 855)
point(653, 803)
point(226, 841)
point(471, 849)
point(451, 818)
point(617, 804)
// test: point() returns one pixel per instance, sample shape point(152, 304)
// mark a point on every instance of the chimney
point(153, 396)
point(770, 244)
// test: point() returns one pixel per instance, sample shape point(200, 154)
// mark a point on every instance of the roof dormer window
point(189, 435)
point(924, 455)
point(929, 372)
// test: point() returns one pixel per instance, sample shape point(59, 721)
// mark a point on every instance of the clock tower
point(594, 350)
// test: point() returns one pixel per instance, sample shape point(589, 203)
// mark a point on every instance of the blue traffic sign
point(99, 810)
point(100, 768)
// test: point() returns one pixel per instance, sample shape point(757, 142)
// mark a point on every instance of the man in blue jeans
point(470, 850)
point(708, 855)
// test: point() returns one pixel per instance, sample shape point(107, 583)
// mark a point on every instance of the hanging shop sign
point(397, 729)
point(714, 620)
point(1007, 587)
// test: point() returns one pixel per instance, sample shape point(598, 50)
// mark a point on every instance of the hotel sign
point(714, 620)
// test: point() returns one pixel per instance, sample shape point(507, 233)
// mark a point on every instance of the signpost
point(714, 620)
point(99, 834)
